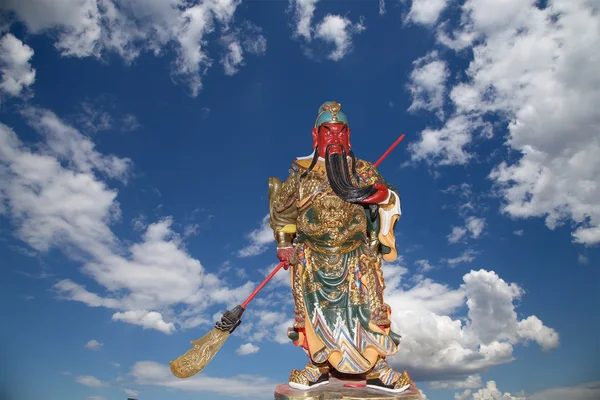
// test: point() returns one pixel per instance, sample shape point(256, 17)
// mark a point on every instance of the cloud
point(147, 319)
point(15, 67)
point(381, 7)
point(260, 239)
point(428, 84)
point(448, 144)
point(585, 391)
point(154, 374)
point(333, 29)
point(98, 28)
point(519, 232)
point(89, 381)
point(236, 43)
point(338, 31)
point(130, 123)
point(490, 391)
point(131, 392)
point(56, 197)
point(424, 265)
point(457, 234)
point(470, 382)
point(466, 257)
point(304, 11)
point(533, 72)
point(473, 225)
point(438, 346)
point(426, 12)
point(247, 348)
point(93, 345)
point(265, 324)
point(93, 117)
point(583, 259)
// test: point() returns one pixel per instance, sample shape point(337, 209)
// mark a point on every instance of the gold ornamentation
point(312, 287)
point(298, 293)
point(310, 374)
point(403, 380)
point(335, 218)
point(195, 359)
point(283, 239)
point(334, 109)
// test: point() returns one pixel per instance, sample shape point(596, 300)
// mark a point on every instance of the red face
point(336, 134)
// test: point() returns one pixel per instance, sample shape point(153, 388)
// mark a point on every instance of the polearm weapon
point(205, 348)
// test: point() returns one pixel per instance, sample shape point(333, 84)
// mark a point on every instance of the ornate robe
point(336, 278)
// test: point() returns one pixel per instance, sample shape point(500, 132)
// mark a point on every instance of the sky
point(136, 142)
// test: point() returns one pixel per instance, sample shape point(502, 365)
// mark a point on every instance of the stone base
point(336, 390)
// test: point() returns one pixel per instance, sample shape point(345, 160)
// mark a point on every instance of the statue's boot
point(311, 376)
point(383, 377)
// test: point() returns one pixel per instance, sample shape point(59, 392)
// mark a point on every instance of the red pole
point(389, 150)
point(277, 268)
point(267, 279)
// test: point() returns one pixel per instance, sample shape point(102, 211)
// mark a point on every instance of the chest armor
point(325, 222)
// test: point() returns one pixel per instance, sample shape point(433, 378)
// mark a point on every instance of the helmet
point(330, 112)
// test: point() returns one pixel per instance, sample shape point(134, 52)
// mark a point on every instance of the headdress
point(330, 112)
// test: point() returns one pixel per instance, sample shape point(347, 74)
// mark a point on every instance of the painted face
point(334, 134)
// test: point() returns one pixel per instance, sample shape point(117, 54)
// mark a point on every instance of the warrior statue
point(333, 219)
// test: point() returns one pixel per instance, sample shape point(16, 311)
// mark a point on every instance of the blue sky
point(137, 139)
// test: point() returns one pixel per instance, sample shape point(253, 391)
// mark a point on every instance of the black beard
point(338, 174)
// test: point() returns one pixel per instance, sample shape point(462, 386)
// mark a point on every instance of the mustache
point(338, 174)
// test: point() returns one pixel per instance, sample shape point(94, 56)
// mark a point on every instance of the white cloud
point(55, 198)
point(470, 382)
point(17, 73)
point(130, 123)
point(394, 272)
point(338, 30)
point(93, 345)
point(260, 239)
point(424, 265)
point(473, 225)
point(534, 71)
point(438, 347)
point(153, 374)
point(428, 84)
point(464, 395)
point(247, 348)
point(68, 144)
point(333, 29)
point(489, 392)
point(233, 58)
point(426, 12)
point(583, 259)
point(96, 28)
point(532, 328)
point(147, 319)
point(89, 381)
point(381, 7)
point(448, 144)
point(586, 391)
point(519, 232)
point(304, 11)
point(131, 392)
point(457, 234)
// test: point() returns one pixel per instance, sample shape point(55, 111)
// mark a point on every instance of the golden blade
point(195, 359)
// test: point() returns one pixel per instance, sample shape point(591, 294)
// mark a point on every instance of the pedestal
point(336, 390)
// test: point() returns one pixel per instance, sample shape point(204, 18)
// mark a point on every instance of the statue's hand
point(284, 254)
point(381, 195)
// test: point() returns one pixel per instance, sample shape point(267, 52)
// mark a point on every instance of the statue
point(333, 220)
